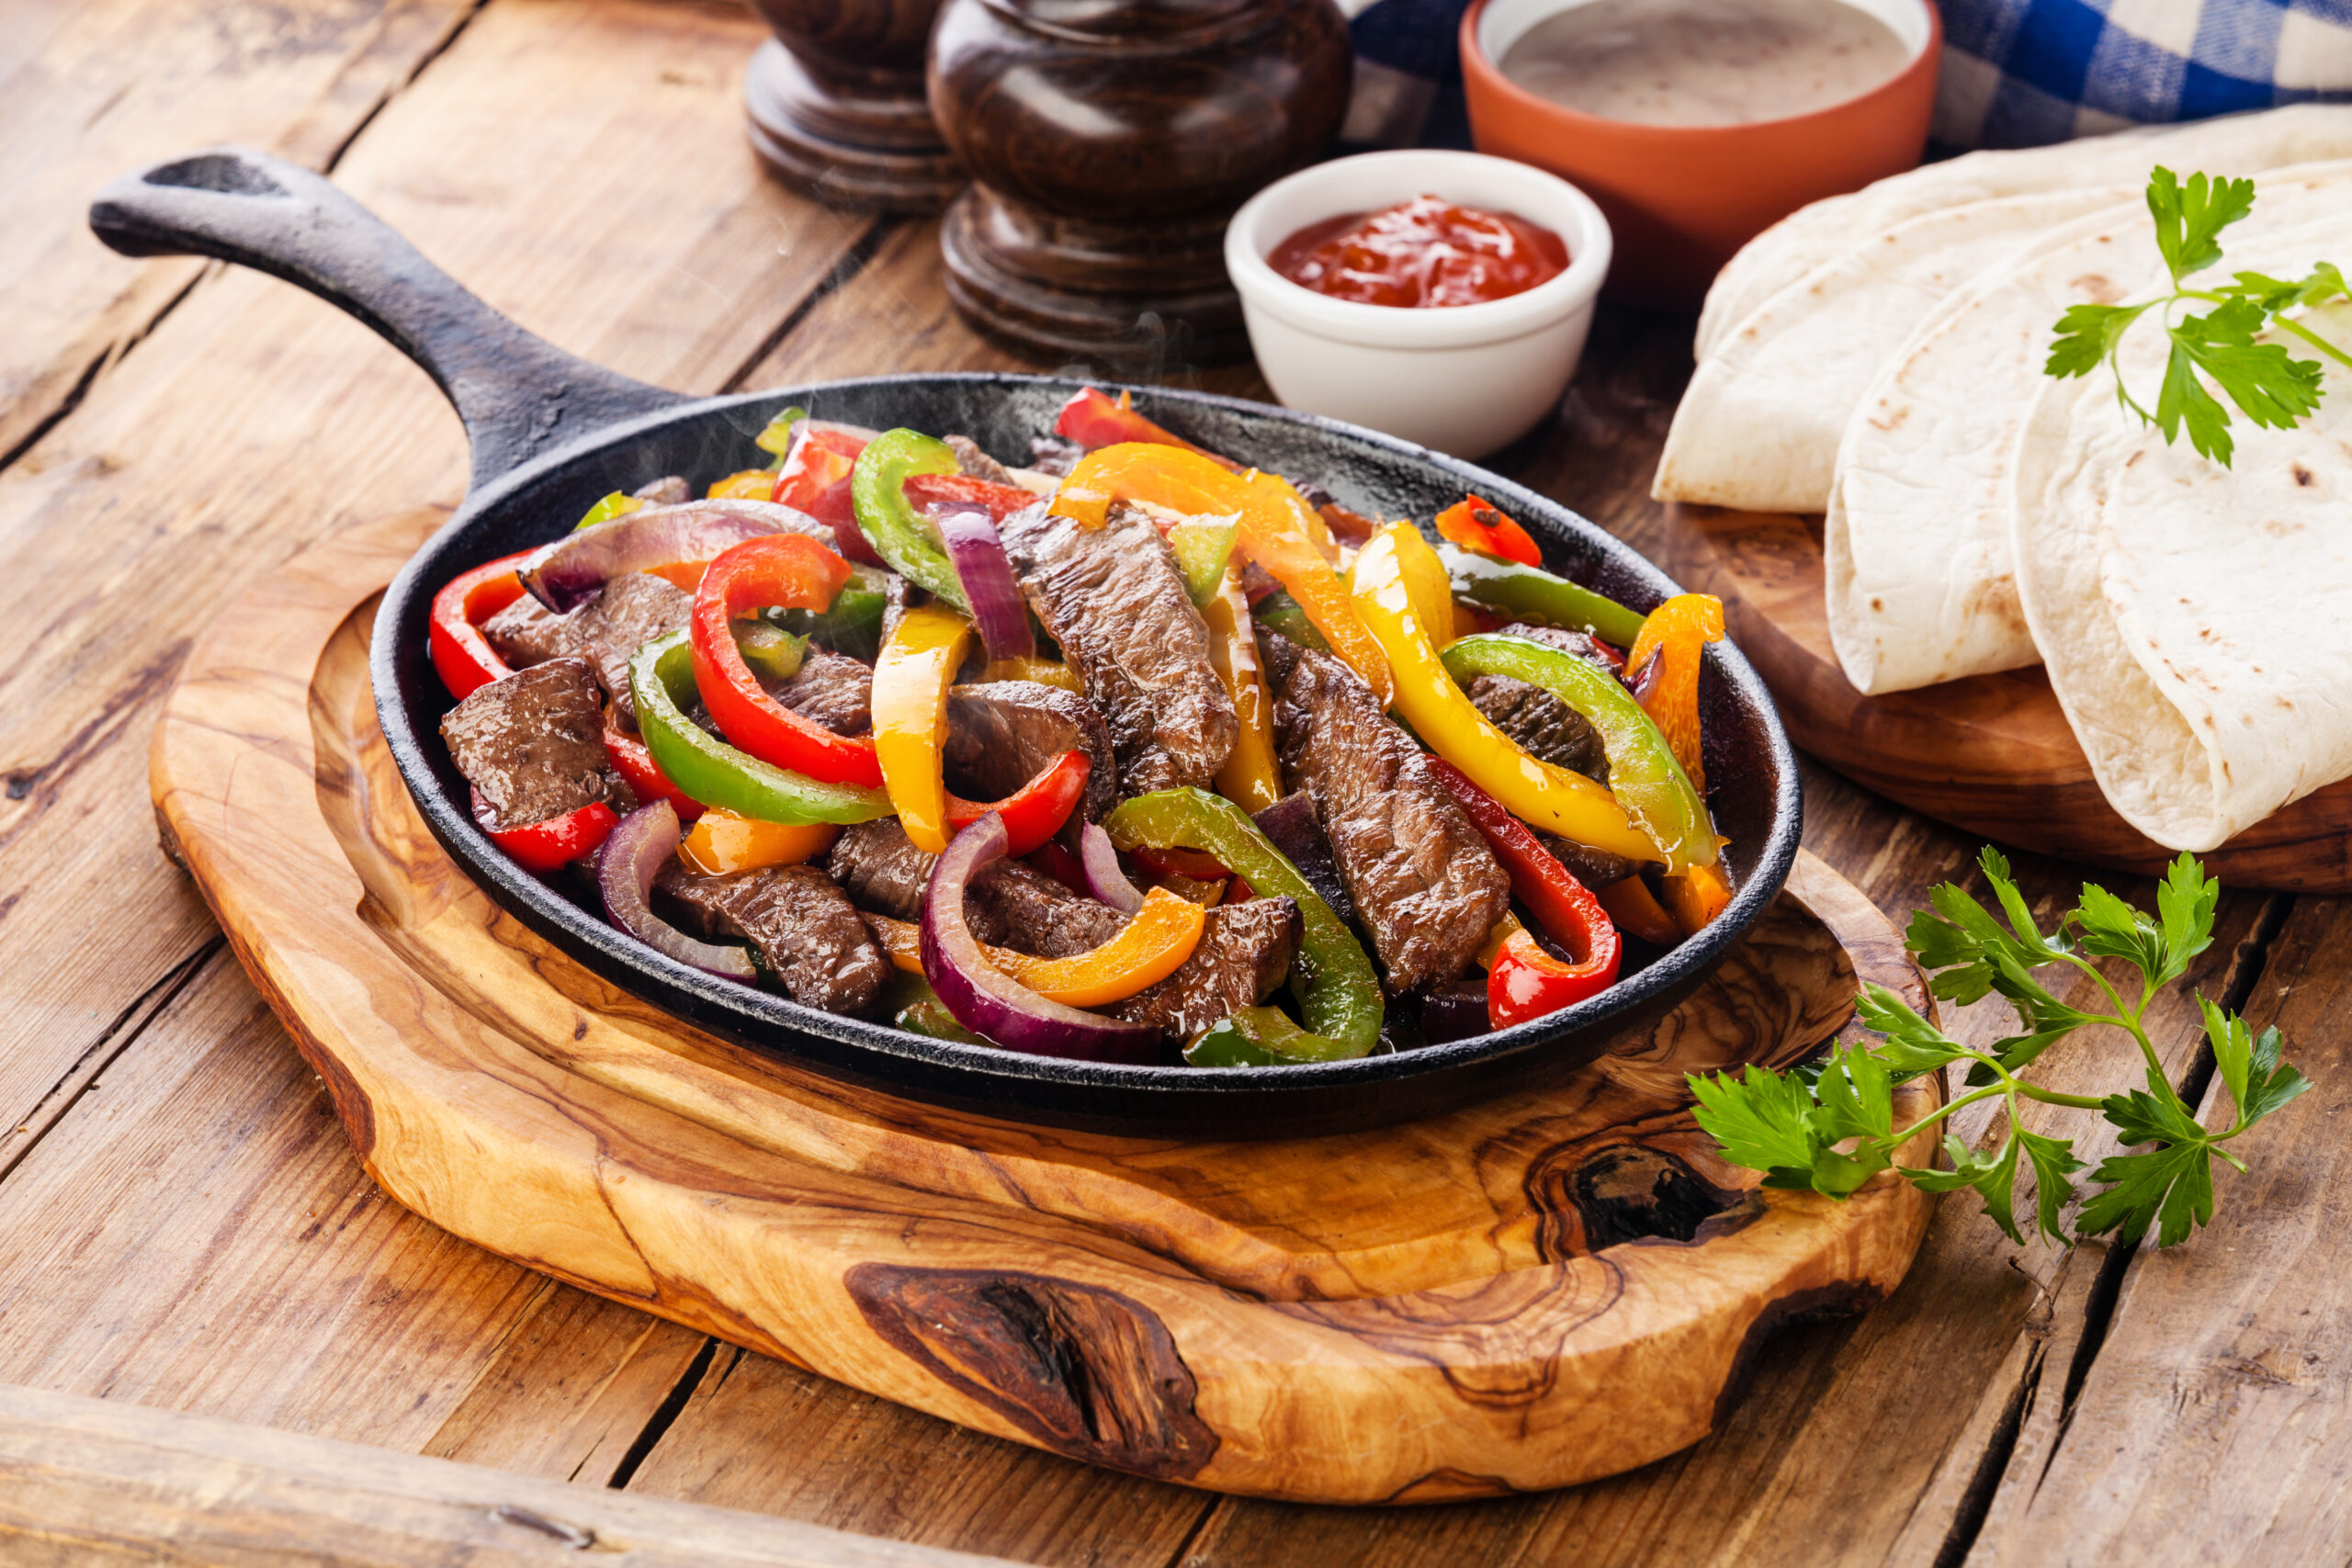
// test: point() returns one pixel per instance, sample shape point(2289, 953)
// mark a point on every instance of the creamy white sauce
point(1704, 62)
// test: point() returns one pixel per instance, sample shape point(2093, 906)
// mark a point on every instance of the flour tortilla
point(2197, 620)
point(1826, 230)
point(1759, 425)
point(1920, 587)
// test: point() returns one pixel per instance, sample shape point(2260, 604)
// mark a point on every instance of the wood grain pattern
point(1991, 754)
point(89, 1481)
point(1206, 1314)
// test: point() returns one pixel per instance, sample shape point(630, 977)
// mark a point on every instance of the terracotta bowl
point(1682, 199)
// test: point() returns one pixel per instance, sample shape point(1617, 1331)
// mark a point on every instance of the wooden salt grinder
point(836, 104)
point(1109, 140)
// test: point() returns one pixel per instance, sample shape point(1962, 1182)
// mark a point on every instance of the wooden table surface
point(183, 1227)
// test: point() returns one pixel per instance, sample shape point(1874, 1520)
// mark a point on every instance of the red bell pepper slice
point(1003, 501)
point(1035, 812)
point(1554, 895)
point(461, 655)
point(540, 848)
point(1189, 863)
point(1056, 861)
point(1479, 525)
point(1093, 421)
point(796, 573)
point(634, 762)
point(814, 479)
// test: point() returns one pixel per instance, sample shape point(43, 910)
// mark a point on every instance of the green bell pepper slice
point(878, 493)
point(1535, 594)
point(1261, 1037)
point(1202, 546)
point(852, 624)
point(1333, 979)
point(661, 679)
point(1643, 774)
point(1280, 614)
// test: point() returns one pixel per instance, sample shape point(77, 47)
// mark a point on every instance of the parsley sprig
point(2268, 385)
point(1830, 1127)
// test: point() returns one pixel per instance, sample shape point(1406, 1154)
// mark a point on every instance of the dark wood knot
point(1588, 1198)
point(1085, 1372)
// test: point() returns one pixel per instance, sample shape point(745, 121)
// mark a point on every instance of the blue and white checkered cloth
point(2016, 72)
point(2025, 72)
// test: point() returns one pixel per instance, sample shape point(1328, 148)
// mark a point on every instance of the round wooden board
point(1533, 1291)
point(1991, 754)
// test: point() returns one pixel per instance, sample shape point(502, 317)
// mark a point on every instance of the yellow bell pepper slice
point(751, 484)
point(910, 706)
point(720, 842)
point(1278, 530)
point(1044, 671)
point(1676, 632)
point(1250, 778)
point(1551, 798)
point(1148, 949)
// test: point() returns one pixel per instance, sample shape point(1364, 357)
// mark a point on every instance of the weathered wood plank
point(2211, 1425)
point(90, 87)
point(584, 167)
point(760, 1435)
point(88, 1482)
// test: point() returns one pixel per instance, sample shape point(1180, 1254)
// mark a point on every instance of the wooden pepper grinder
point(837, 108)
point(1109, 140)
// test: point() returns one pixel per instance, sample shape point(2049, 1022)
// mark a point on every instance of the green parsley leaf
point(2183, 400)
point(2249, 1068)
point(2186, 900)
point(2053, 1160)
point(1993, 1175)
point(2190, 216)
point(1763, 1120)
point(1913, 1046)
point(2172, 1187)
point(2088, 334)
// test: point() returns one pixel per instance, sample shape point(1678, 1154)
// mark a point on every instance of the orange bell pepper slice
point(721, 842)
point(1697, 896)
point(1674, 635)
point(1145, 951)
point(1480, 525)
point(1250, 778)
point(1277, 529)
point(1633, 907)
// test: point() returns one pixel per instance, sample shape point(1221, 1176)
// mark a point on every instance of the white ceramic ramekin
point(1464, 378)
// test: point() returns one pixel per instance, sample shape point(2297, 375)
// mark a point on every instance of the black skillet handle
point(518, 395)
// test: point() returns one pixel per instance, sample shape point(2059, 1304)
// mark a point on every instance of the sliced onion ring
point(632, 857)
point(569, 572)
point(1104, 878)
point(989, 1002)
point(978, 555)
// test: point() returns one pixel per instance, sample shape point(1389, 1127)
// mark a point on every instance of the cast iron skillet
point(550, 434)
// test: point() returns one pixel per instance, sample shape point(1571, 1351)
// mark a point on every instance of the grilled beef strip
point(977, 463)
point(1595, 868)
point(532, 745)
point(806, 930)
point(1538, 722)
point(1001, 734)
point(830, 689)
point(1113, 600)
point(1007, 905)
point(607, 631)
point(1245, 952)
point(1425, 885)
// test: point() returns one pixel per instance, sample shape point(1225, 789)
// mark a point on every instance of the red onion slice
point(571, 571)
point(1104, 880)
point(985, 999)
point(625, 873)
point(978, 555)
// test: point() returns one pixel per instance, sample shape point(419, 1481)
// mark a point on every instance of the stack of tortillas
point(1878, 359)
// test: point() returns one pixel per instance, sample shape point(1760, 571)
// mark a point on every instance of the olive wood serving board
point(1536, 1290)
point(1991, 754)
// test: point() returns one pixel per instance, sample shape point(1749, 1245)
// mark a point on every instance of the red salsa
point(1422, 253)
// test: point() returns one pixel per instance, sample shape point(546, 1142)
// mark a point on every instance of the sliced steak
point(806, 930)
point(1113, 600)
point(631, 611)
point(1001, 734)
point(1244, 953)
point(527, 633)
point(1008, 904)
point(534, 744)
point(1539, 723)
point(830, 689)
point(979, 464)
point(607, 631)
point(1426, 886)
point(1595, 868)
